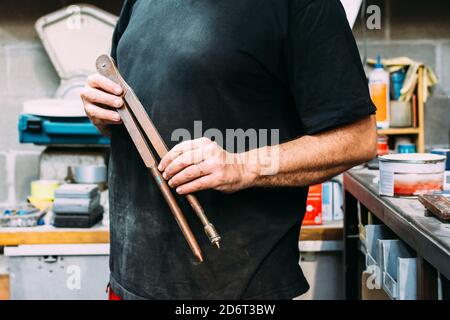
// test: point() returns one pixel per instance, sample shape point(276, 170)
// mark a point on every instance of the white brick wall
point(19, 174)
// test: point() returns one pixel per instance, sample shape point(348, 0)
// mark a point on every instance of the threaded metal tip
point(212, 235)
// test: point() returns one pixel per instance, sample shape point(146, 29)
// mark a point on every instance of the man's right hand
point(99, 94)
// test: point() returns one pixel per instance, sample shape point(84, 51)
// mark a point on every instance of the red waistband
point(113, 296)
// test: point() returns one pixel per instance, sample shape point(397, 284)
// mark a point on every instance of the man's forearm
point(313, 159)
point(201, 164)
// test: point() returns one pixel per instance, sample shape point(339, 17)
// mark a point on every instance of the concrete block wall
point(25, 73)
point(417, 28)
point(420, 30)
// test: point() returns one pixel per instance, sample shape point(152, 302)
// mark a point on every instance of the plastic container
point(407, 148)
point(379, 92)
point(400, 114)
point(77, 191)
point(77, 206)
point(44, 189)
point(24, 216)
point(397, 80)
point(399, 270)
point(382, 145)
point(374, 233)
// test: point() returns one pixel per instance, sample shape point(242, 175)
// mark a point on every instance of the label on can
point(386, 184)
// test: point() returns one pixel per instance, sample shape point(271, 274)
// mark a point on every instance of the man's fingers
point(179, 149)
point(203, 183)
point(101, 114)
point(96, 96)
point(190, 173)
point(100, 82)
point(183, 161)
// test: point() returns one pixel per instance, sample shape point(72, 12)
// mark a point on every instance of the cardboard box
point(313, 214)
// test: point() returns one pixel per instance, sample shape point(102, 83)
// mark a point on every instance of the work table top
point(48, 234)
point(405, 216)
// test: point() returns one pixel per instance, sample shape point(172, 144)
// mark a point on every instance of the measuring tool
point(141, 128)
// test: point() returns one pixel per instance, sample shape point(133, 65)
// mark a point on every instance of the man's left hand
point(202, 164)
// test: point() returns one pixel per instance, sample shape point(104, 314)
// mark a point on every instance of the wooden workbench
point(407, 218)
point(51, 235)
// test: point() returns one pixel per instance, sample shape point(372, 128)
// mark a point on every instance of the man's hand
point(100, 91)
point(202, 164)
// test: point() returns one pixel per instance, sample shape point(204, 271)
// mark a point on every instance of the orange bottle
point(379, 92)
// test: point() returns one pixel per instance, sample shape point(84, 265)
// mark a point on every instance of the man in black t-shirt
point(289, 69)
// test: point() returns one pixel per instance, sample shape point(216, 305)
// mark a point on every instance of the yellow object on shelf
point(44, 190)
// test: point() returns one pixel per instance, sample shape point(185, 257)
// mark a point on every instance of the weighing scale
point(73, 38)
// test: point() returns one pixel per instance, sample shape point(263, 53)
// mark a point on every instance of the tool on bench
point(438, 205)
point(141, 128)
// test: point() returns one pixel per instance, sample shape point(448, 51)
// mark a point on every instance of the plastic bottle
point(379, 92)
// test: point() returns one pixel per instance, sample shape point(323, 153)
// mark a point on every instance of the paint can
point(408, 175)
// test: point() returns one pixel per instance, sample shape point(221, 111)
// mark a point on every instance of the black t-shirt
point(290, 65)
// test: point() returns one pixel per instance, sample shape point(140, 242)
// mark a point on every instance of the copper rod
point(178, 214)
point(161, 149)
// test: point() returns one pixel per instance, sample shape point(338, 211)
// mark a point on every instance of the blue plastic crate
point(59, 131)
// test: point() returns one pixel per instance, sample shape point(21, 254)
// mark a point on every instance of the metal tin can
point(411, 174)
point(90, 174)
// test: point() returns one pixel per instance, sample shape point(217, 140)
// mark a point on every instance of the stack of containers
point(77, 206)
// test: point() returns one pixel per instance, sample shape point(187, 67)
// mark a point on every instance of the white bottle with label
point(379, 92)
